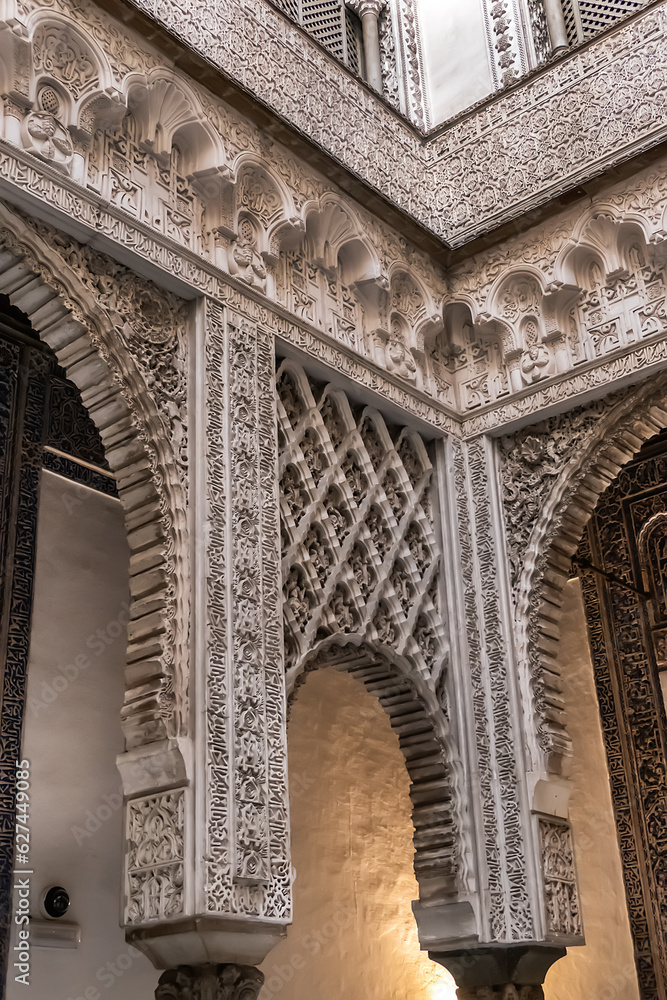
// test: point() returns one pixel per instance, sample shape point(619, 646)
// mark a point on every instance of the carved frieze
point(534, 134)
point(588, 319)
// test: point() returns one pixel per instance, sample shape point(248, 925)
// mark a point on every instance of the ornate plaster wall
point(71, 738)
point(604, 967)
point(458, 72)
point(353, 934)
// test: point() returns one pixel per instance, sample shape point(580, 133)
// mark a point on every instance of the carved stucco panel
point(552, 474)
point(154, 859)
point(533, 134)
point(510, 913)
point(247, 853)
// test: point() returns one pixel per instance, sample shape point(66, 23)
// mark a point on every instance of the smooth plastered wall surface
point(71, 738)
point(604, 968)
point(354, 934)
point(455, 53)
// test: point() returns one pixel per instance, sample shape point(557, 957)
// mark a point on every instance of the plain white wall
point(455, 55)
point(71, 738)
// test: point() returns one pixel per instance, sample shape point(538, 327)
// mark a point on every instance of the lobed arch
point(99, 75)
point(77, 71)
point(608, 436)
point(92, 334)
point(167, 111)
point(604, 235)
point(424, 740)
point(522, 274)
point(361, 568)
point(337, 239)
point(261, 195)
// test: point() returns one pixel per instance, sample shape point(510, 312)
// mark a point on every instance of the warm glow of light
point(442, 989)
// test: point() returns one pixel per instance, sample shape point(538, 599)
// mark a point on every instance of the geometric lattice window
point(361, 565)
point(360, 551)
point(584, 18)
point(333, 25)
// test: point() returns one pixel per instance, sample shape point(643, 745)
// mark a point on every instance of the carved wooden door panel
point(626, 612)
point(24, 370)
point(43, 424)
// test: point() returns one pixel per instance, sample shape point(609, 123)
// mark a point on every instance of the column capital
point(361, 7)
point(509, 992)
point(500, 972)
point(210, 982)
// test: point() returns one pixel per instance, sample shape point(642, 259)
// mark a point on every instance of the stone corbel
point(557, 340)
point(430, 329)
point(287, 236)
point(658, 244)
point(512, 359)
point(374, 293)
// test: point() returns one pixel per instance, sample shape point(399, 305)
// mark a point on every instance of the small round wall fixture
point(55, 901)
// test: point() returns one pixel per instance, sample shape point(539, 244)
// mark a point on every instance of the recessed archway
point(116, 338)
point(363, 590)
point(354, 933)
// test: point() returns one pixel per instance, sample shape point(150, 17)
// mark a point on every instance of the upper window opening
point(333, 25)
point(584, 18)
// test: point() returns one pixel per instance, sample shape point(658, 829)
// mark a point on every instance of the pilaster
point(512, 939)
point(208, 869)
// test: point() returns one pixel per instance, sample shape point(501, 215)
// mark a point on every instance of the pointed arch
point(361, 564)
point(120, 340)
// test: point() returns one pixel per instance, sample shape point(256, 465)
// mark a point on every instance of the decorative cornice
point(85, 215)
point(548, 134)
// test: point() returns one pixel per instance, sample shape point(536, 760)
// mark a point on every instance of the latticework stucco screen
point(360, 552)
point(361, 563)
point(584, 18)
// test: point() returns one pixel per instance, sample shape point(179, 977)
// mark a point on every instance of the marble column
point(369, 12)
point(556, 22)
